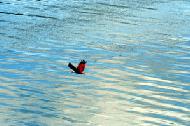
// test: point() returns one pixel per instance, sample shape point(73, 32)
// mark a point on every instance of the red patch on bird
point(81, 68)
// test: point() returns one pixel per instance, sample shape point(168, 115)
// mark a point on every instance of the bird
point(80, 68)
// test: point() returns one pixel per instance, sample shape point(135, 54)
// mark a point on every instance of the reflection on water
point(138, 63)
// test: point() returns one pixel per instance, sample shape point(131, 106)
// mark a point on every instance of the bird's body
point(80, 68)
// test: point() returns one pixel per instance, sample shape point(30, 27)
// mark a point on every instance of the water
point(138, 69)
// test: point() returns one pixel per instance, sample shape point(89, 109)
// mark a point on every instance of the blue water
point(138, 71)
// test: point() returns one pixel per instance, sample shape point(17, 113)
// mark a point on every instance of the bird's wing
point(73, 67)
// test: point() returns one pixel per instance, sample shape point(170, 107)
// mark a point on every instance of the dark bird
point(80, 68)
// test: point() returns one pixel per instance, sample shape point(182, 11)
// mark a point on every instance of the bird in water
point(80, 68)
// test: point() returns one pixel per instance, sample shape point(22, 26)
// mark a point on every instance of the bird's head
point(83, 62)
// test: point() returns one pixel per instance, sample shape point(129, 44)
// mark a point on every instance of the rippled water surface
point(138, 71)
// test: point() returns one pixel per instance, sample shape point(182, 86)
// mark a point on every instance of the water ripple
point(137, 71)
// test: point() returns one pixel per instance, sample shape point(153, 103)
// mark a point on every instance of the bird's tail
point(72, 67)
